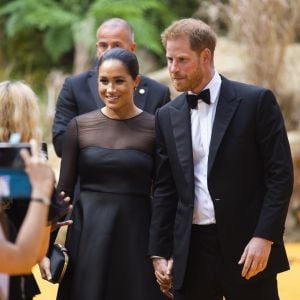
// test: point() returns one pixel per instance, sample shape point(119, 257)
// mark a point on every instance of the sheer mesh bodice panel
point(114, 156)
point(98, 130)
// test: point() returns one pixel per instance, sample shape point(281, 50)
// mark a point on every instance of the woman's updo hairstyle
point(127, 58)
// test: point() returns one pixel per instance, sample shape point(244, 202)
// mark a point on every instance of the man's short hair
point(200, 34)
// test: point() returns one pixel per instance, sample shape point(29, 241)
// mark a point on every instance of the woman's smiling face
point(116, 85)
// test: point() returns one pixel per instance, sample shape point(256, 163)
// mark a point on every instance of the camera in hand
point(15, 184)
point(14, 181)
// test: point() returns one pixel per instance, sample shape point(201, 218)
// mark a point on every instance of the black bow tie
point(193, 99)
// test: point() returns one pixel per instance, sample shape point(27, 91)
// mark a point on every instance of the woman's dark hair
point(127, 58)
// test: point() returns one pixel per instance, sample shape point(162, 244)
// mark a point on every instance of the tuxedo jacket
point(79, 95)
point(250, 178)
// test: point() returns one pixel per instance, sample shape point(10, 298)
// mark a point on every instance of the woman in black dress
point(111, 150)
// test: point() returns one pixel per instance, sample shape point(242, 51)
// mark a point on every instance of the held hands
point(64, 201)
point(163, 272)
point(255, 257)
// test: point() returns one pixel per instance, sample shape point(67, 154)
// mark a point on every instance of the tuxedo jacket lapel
point(181, 125)
point(227, 105)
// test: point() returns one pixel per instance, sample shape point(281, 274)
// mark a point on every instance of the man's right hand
point(163, 272)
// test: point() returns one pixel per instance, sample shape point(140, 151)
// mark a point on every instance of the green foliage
point(37, 36)
point(56, 18)
point(24, 63)
point(58, 41)
point(182, 9)
point(47, 17)
point(138, 14)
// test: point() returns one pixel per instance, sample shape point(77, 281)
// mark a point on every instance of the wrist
point(155, 256)
point(42, 199)
point(41, 191)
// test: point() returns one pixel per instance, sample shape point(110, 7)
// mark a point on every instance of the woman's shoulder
point(90, 116)
point(145, 119)
point(88, 119)
point(147, 115)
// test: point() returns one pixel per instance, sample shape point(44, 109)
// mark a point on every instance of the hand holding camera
point(40, 173)
point(24, 176)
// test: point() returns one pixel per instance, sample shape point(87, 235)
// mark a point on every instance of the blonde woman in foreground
point(19, 112)
point(19, 122)
point(32, 240)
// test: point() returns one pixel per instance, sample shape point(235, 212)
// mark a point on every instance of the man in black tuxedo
point(79, 94)
point(224, 179)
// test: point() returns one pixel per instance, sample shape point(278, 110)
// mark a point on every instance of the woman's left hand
point(44, 266)
point(65, 208)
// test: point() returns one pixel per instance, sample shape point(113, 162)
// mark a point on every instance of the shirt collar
point(214, 87)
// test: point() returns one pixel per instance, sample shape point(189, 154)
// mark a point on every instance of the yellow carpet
point(48, 289)
point(289, 282)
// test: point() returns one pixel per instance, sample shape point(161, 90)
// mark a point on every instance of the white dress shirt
point(201, 123)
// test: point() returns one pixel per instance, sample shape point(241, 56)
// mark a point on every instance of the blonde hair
point(200, 34)
point(19, 111)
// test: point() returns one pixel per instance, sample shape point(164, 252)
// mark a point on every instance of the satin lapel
point(93, 85)
point(227, 105)
point(181, 123)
